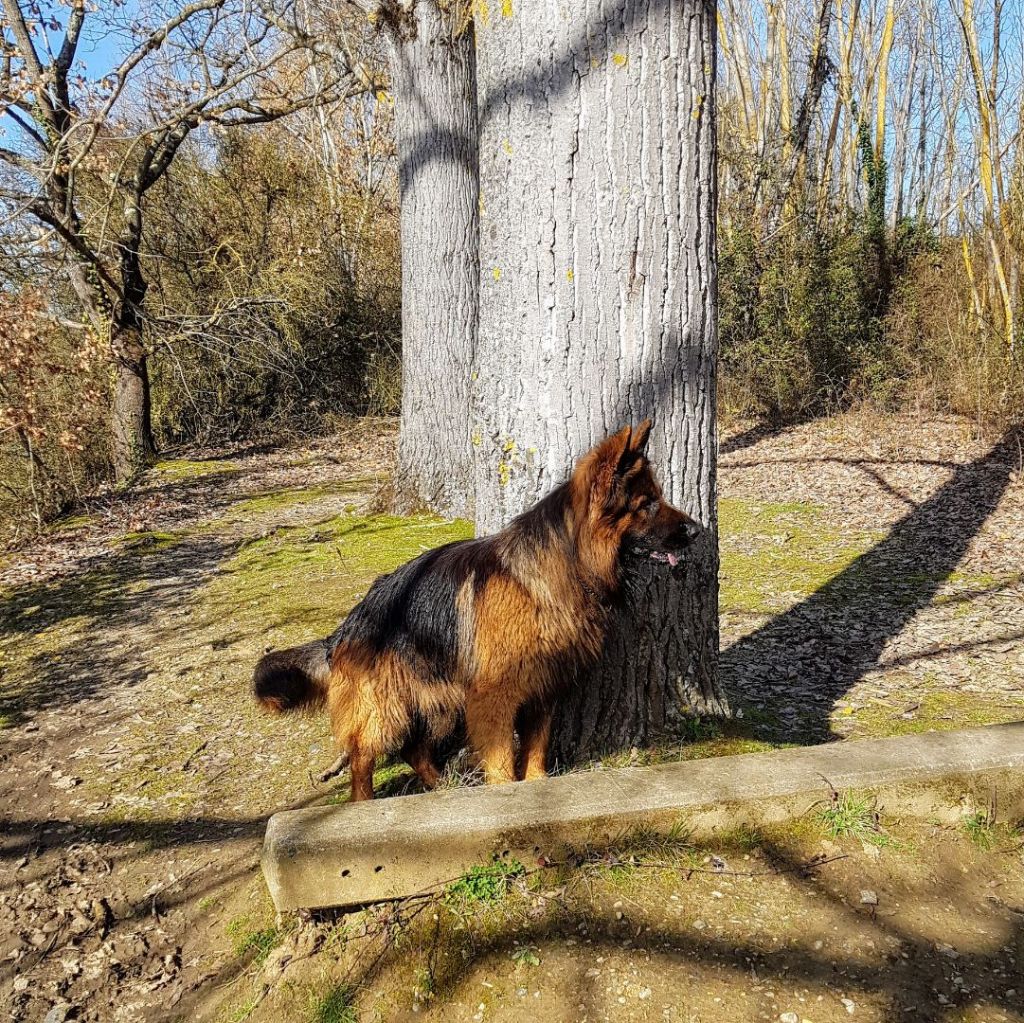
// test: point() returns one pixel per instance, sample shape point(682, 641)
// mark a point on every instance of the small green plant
point(980, 828)
point(246, 939)
point(482, 885)
point(243, 1012)
point(848, 815)
point(649, 842)
point(525, 955)
point(744, 837)
point(336, 1006)
point(698, 729)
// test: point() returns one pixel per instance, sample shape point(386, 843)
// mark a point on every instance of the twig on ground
point(199, 749)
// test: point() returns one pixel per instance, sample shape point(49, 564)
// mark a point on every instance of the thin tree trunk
point(901, 137)
point(131, 422)
point(798, 138)
point(597, 309)
point(433, 81)
point(922, 142)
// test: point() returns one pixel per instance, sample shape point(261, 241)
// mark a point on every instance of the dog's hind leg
point(491, 727)
point(419, 755)
point(534, 727)
point(362, 763)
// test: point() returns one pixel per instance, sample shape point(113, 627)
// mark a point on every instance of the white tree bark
point(597, 306)
point(434, 88)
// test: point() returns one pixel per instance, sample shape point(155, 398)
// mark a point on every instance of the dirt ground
point(913, 923)
point(872, 583)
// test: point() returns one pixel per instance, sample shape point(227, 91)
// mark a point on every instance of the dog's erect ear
point(612, 449)
point(622, 454)
point(640, 436)
point(609, 457)
point(618, 456)
point(636, 441)
point(632, 453)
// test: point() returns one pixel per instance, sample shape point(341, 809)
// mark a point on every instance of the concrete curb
point(367, 852)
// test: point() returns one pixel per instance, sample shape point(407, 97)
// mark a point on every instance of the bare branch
point(23, 38)
point(71, 37)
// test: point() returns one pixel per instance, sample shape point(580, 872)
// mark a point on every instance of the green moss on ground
point(962, 589)
point(397, 779)
point(483, 884)
point(150, 540)
point(69, 523)
point(154, 789)
point(703, 738)
point(55, 607)
point(304, 579)
point(177, 469)
point(280, 500)
point(940, 711)
point(33, 641)
point(774, 554)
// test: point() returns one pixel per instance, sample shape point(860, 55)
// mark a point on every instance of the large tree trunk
point(434, 87)
point(131, 422)
point(597, 308)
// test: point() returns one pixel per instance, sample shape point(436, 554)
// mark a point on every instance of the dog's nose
point(685, 532)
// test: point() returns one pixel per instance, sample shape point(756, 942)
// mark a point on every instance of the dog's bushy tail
point(293, 679)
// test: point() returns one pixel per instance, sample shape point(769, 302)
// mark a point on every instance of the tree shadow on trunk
point(829, 641)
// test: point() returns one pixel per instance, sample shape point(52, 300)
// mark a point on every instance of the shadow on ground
point(752, 435)
point(890, 964)
point(90, 616)
point(836, 635)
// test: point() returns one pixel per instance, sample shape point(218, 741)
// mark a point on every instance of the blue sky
point(99, 49)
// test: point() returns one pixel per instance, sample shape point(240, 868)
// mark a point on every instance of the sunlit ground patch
point(775, 554)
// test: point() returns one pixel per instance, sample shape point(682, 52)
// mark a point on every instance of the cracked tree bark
point(131, 417)
point(434, 87)
point(597, 308)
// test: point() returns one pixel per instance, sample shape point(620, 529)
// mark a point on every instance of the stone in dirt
point(58, 1013)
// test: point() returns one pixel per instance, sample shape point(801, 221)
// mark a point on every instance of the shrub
point(54, 392)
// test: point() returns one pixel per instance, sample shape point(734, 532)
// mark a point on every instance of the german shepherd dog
point(488, 629)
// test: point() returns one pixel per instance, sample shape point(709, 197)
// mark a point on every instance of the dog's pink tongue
point(673, 560)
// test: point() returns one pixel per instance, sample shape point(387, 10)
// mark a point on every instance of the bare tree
point(86, 147)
